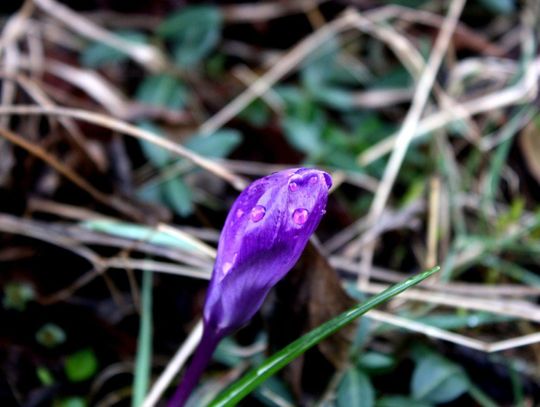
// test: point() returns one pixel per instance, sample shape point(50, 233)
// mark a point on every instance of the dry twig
point(128, 129)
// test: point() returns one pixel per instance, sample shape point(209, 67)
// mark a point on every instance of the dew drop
point(239, 213)
point(293, 186)
point(227, 267)
point(300, 216)
point(313, 180)
point(257, 213)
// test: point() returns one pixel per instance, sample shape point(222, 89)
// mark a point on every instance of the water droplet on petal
point(293, 186)
point(300, 216)
point(239, 212)
point(257, 213)
point(313, 180)
point(227, 267)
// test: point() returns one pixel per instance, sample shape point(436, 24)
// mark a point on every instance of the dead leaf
point(310, 295)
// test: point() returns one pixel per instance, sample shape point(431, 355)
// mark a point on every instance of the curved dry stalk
point(438, 333)
point(111, 201)
point(24, 227)
point(40, 97)
point(15, 25)
point(290, 60)
point(264, 11)
point(524, 90)
point(147, 55)
point(130, 130)
point(409, 127)
point(419, 101)
point(523, 310)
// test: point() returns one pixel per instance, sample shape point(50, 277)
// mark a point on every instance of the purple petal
point(264, 235)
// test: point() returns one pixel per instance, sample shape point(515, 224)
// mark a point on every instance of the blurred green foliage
point(81, 365)
point(50, 335)
point(17, 295)
point(193, 33)
point(320, 118)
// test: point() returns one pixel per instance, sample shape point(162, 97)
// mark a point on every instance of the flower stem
point(203, 354)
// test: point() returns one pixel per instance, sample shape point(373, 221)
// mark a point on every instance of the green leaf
point(238, 390)
point(162, 91)
point(151, 193)
point(356, 390)
point(327, 79)
point(98, 54)
point(303, 135)
point(257, 113)
point(17, 295)
point(70, 402)
point(50, 335)
point(499, 6)
point(81, 365)
point(219, 144)
point(334, 97)
point(44, 375)
point(194, 33)
point(178, 196)
point(157, 155)
point(143, 358)
point(139, 233)
point(396, 78)
point(437, 380)
point(375, 362)
point(400, 401)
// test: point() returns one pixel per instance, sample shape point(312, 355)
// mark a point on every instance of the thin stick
point(420, 98)
point(434, 332)
point(16, 25)
point(40, 97)
point(515, 342)
point(156, 266)
point(148, 56)
point(271, 98)
point(174, 366)
point(263, 11)
point(525, 89)
point(515, 308)
point(428, 330)
point(408, 129)
point(292, 59)
point(130, 130)
point(199, 244)
point(99, 196)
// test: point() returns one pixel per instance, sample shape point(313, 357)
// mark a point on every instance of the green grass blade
point(143, 358)
point(238, 390)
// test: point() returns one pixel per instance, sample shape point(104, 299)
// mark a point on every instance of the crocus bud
point(264, 235)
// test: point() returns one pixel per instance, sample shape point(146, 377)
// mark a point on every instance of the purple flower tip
point(265, 233)
point(263, 237)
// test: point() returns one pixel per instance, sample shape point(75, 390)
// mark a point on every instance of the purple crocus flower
point(264, 235)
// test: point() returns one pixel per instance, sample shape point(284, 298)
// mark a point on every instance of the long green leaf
point(143, 358)
point(238, 390)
